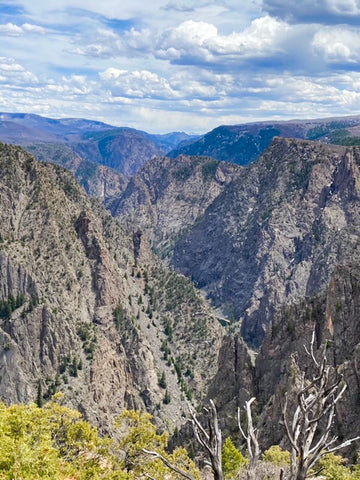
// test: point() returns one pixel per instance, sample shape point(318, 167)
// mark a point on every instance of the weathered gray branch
point(166, 462)
point(251, 438)
point(316, 402)
point(211, 441)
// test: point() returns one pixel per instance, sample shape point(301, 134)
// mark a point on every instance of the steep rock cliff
point(80, 312)
point(167, 197)
point(334, 316)
point(253, 238)
point(99, 181)
point(276, 233)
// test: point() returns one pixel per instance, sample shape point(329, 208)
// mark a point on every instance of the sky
point(180, 65)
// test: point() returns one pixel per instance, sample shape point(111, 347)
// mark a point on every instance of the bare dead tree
point(315, 407)
point(166, 462)
point(210, 439)
point(251, 437)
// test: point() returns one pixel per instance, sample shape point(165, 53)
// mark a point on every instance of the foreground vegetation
point(54, 442)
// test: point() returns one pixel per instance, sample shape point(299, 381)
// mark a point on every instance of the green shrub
point(233, 461)
point(334, 468)
point(277, 455)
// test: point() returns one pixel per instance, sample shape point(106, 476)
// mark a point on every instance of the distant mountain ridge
point(124, 149)
point(53, 128)
point(242, 144)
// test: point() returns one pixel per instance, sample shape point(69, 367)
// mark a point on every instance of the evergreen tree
point(162, 381)
point(39, 396)
point(167, 398)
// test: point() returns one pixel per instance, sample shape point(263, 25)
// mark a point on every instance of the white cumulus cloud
point(138, 84)
point(13, 30)
point(146, 84)
point(202, 41)
point(14, 73)
point(339, 45)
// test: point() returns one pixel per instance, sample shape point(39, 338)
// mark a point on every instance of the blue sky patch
point(11, 9)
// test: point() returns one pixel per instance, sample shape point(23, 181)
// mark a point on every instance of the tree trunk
point(301, 472)
point(217, 470)
point(251, 474)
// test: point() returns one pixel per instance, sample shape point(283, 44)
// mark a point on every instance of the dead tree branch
point(166, 462)
point(251, 439)
point(210, 439)
point(315, 403)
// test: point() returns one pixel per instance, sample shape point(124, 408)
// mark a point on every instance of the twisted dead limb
point(251, 437)
point(210, 439)
point(166, 462)
point(316, 402)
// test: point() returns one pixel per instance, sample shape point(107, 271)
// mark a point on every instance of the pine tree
point(167, 398)
point(39, 396)
point(162, 381)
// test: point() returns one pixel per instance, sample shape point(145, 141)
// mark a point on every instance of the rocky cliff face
point(234, 382)
point(99, 181)
point(255, 238)
point(275, 370)
point(167, 197)
point(83, 311)
point(86, 308)
point(278, 244)
point(334, 316)
point(275, 234)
